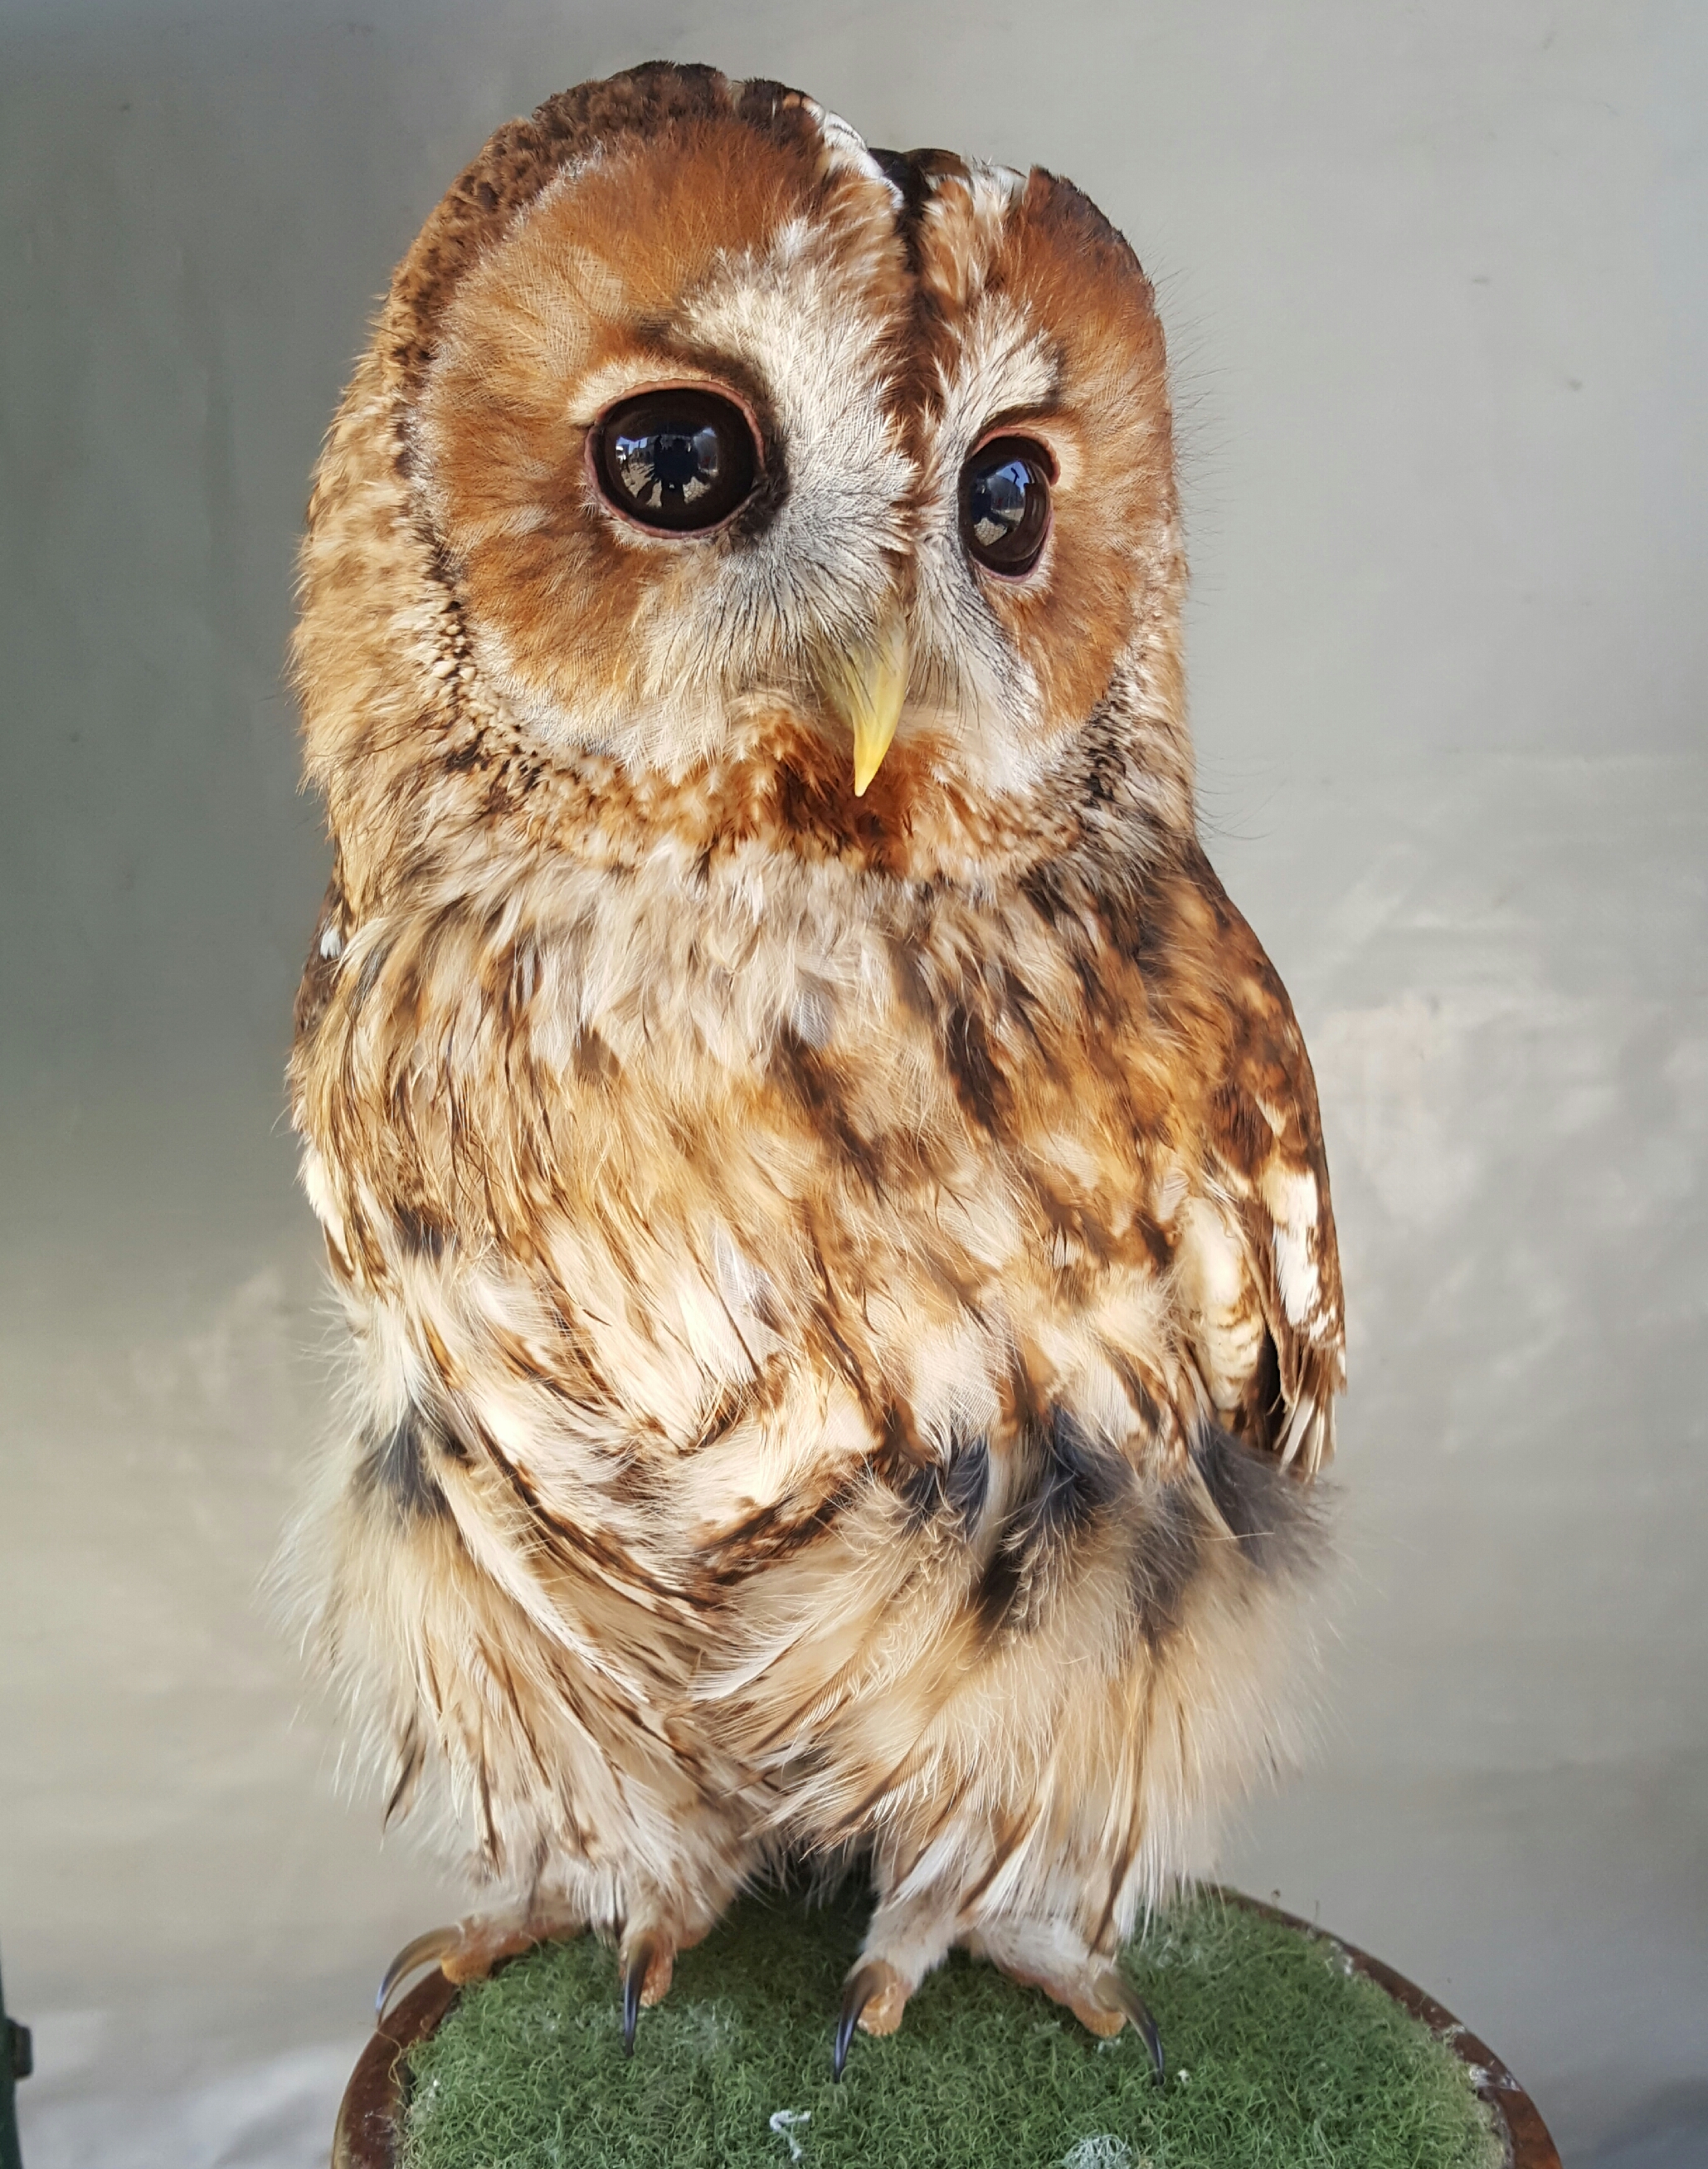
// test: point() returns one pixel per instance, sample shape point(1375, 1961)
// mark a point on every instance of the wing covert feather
point(1258, 1267)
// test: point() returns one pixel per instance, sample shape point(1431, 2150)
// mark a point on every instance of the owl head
point(834, 484)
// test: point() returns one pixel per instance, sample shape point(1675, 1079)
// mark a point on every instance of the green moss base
point(1278, 2055)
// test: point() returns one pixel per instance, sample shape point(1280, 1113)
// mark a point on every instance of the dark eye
point(676, 460)
point(1005, 503)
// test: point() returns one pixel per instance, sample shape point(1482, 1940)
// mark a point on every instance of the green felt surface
point(1277, 2055)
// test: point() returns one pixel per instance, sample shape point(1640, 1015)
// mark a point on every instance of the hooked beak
point(868, 686)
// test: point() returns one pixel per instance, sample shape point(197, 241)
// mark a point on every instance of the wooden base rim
point(1528, 2143)
point(368, 2133)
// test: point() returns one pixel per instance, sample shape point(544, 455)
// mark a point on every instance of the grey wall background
point(1435, 281)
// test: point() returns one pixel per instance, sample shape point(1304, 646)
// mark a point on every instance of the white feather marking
point(1214, 1281)
point(1290, 1196)
point(1303, 1416)
point(1170, 1193)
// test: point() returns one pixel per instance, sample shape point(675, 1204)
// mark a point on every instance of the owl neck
point(486, 811)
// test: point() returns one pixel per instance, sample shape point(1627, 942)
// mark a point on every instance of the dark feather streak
point(1275, 1520)
point(952, 1490)
point(396, 1468)
point(1069, 1481)
point(979, 1085)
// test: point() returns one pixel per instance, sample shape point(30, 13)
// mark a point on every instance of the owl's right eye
point(680, 461)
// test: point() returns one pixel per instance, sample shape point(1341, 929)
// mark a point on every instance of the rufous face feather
point(872, 323)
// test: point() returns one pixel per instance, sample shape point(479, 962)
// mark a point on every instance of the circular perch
point(373, 2116)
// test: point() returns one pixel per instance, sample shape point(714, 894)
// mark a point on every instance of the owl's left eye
point(681, 461)
point(1005, 503)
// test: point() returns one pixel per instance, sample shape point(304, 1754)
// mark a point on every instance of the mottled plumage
point(844, 1293)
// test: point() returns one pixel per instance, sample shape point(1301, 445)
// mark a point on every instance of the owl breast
point(695, 1212)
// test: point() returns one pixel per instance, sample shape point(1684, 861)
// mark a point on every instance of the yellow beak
point(868, 687)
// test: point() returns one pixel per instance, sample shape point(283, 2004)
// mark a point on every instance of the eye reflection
point(1005, 503)
point(680, 461)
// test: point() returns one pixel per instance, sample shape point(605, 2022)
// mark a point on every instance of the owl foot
point(467, 1951)
point(1117, 1997)
point(1104, 2000)
point(648, 1962)
point(421, 1950)
point(1095, 1990)
point(874, 2000)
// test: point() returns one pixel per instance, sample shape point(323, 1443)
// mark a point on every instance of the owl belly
point(683, 1589)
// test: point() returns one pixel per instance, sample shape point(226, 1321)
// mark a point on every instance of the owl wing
point(1257, 1268)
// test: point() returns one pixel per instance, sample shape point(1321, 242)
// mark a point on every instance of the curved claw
point(634, 1969)
point(1115, 1992)
point(422, 1951)
point(863, 1985)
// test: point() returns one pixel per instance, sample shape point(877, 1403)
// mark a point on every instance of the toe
point(480, 1944)
point(883, 2011)
point(874, 2000)
point(1095, 2018)
point(1119, 1998)
point(637, 1963)
point(648, 1962)
point(434, 1947)
point(467, 1951)
point(470, 1950)
point(1100, 1997)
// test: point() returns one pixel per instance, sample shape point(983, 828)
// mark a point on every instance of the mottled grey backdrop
point(1434, 279)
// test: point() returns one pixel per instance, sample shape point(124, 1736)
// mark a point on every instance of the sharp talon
point(635, 1966)
point(1115, 1992)
point(435, 1944)
point(862, 1987)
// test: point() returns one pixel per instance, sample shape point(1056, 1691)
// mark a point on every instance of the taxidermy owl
point(826, 1191)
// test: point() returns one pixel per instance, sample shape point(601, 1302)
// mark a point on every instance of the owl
point(826, 1191)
